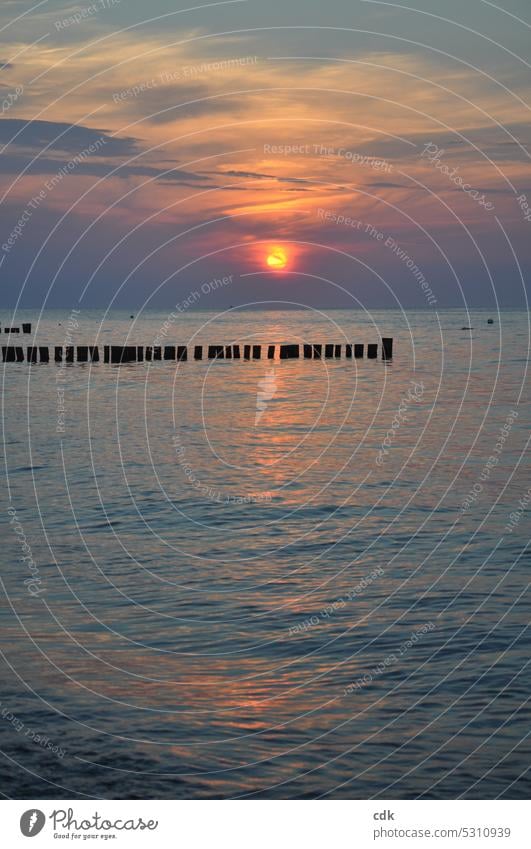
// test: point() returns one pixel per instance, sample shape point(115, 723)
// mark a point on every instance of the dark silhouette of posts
point(289, 352)
point(117, 354)
point(123, 354)
point(387, 348)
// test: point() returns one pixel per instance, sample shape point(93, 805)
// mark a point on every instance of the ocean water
point(268, 579)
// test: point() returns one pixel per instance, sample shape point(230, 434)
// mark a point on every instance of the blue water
point(242, 581)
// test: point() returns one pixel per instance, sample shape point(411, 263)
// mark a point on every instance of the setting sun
point(277, 258)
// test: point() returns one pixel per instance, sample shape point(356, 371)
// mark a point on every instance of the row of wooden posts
point(118, 354)
point(26, 328)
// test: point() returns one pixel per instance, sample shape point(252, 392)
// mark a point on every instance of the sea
point(267, 578)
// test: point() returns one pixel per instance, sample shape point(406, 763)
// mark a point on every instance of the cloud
point(383, 184)
point(161, 103)
point(253, 175)
point(195, 109)
point(46, 166)
point(23, 153)
point(67, 138)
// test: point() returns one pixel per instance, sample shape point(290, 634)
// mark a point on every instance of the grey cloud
point(383, 184)
point(253, 175)
point(67, 138)
point(47, 167)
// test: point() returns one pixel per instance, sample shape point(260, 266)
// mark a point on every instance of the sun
point(277, 258)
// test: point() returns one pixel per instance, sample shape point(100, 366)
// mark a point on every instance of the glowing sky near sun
point(216, 154)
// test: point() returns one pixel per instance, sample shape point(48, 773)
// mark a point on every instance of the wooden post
point(149, 353)
point(26, 328)
point(348, 352)
point(198, 352)
point(169, 352)
point(307, 352)
point(124, 353)
point(20, 354)
point(358, 351)
point(44, 354)
point(329, 351)
point(289, 352)
point(257, 352)
point(246, 352)
point(157, 352)
point(271, 352)
point(8, 354)
point(337, 351)
point(215, 352)
point(317, 352)
point(228, 352)
point(236, 352)
point(82, 353)
point(139, 353)
point(387, 348)
point(372, 351)
point(182, 353)
point(31, 354)
point(70, 354)
point(94, 353)
point(58, 353)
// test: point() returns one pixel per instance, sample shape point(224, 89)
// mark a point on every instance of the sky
point(380, 149)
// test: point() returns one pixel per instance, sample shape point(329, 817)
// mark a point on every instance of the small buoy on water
point(467, 328)
point(490, 321)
